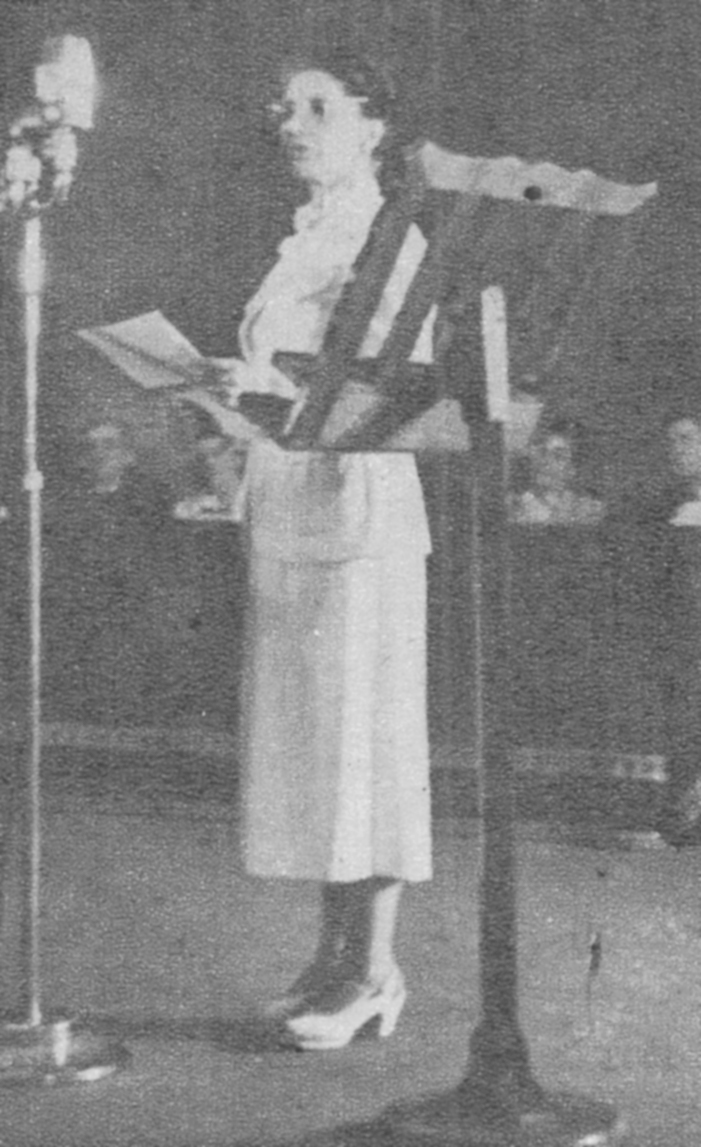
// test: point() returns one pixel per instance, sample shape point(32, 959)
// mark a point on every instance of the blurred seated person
point(141, 606)
point(681, 667)
point(153, 456)
point(222, 467)
point(551, 497)
point(110, 457)
point(111, 511)
point(116, 518)
point(684, 437)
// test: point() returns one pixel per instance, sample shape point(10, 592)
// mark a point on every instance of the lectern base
point(462, 1117)
point(56, 1053)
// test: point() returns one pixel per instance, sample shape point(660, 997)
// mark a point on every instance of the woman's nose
point(294, 124)
point(289, 121)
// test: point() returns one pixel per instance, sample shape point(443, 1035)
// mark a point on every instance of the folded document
point(150, 350)
point(153, 353)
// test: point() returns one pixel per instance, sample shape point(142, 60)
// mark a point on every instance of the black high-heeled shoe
point(319, 978)
point(331, 1025)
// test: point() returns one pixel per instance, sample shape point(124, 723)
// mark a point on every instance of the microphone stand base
point(471, 1116)
point(56, 1053)
point(467, 1118)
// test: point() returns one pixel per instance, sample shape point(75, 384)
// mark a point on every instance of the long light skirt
point(336, 743)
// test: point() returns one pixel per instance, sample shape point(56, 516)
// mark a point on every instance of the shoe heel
point(390, 1013)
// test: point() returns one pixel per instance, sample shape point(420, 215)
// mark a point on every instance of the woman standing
point(336, 749)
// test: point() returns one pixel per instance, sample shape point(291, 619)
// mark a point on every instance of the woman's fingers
point(214, 376)
point(232, 424)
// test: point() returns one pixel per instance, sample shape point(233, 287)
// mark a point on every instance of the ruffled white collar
point(350, 206)
point(330, 231)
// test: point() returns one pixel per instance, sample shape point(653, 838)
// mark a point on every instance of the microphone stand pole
point(37, 172)
point(32, 282)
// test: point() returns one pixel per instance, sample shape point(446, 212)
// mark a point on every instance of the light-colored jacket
point(325, 507)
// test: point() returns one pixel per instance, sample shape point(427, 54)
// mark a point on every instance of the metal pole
point(39, 1050)
point(32, 283)
point(499, 1100)
point(498, 1077)
point(35, 1050)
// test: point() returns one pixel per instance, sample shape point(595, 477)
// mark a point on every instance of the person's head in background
point(684, 443)
point(109, 457)
point(554, 455)
point(150, 446)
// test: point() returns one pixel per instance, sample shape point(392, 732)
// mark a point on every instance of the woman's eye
point(317, 107)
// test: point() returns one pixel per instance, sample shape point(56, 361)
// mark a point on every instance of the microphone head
point(65, 82)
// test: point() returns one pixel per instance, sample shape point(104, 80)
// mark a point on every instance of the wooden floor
point(152, 931)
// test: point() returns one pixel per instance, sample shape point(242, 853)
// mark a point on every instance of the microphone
point(43, 154)
point(65, 82)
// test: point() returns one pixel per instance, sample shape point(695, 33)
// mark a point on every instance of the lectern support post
point(498, 1073)
point(499, 1102)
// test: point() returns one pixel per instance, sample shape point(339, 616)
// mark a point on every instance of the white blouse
point(322, 506)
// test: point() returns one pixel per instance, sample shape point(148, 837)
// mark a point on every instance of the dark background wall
point(180, 200)
point(181, 197)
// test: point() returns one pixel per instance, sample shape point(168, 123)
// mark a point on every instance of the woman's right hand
point(230, 377)
point(221, 376)
point(230, 421)
point(223, 381)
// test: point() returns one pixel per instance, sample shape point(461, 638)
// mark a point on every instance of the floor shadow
point(378, 1133)
point(247, 1034)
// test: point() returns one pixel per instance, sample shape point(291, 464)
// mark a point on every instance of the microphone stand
point(37, 174)
point(32, 277)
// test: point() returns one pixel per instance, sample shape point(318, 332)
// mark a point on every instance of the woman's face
point(685, 447)
point(325, 131)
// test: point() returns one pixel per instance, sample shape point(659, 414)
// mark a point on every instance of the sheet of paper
point(149, 349)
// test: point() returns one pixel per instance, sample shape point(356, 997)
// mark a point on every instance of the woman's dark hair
point(360, 77)
point(371, 82)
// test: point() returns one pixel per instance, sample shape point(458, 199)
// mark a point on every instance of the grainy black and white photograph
point(350, 587)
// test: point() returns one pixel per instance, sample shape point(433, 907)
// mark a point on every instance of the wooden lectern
point(526, 231)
